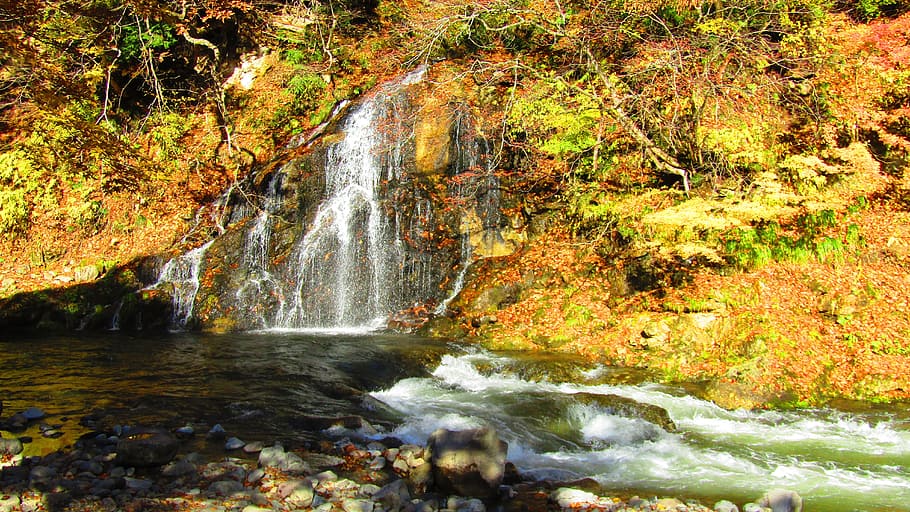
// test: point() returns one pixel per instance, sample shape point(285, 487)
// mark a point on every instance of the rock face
point(147, 447)
point(379, 215)
point(468, 462)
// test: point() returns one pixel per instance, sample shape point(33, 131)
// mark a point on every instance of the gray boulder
point(146, 448)
point(781, 500)
point(468, 463)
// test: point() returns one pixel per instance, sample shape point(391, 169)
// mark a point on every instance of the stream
point(258, 385)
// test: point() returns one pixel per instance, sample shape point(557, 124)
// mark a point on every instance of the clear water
point(259, 385)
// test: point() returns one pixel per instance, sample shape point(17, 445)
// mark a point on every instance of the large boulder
point(146, 448)
point(467, 462)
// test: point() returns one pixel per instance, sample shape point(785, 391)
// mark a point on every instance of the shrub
point(306, 91)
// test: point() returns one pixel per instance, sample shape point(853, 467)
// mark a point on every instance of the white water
point(346, 259)
point(836, 461)
point(182, 272)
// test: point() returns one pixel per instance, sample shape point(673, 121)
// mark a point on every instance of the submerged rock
point(629, 408)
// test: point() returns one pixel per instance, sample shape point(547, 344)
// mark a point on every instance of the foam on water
point(837, 461)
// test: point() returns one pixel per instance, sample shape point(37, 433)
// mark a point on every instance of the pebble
point(237, 484)
point(254, 447)
point(217, 432)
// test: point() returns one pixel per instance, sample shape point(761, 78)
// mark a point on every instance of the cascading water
point(182, 274)
point(344, 262)
point(382, 216)
point(836, 461)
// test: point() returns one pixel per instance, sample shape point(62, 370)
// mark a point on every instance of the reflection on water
point(253, 384)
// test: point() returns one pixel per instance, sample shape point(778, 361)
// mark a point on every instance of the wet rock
point(10, 446)
point(185, 432)
point(147, 447)
point(254, 447)
point(629, 408)
point(17, 422)
point(216, 432)
point(781, 500)
point(33, 413)
point(233, 444)
point(469, 463)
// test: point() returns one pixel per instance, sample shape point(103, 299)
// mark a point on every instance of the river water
point(260, 385)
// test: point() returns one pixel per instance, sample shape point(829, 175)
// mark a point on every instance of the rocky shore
point(143, 468)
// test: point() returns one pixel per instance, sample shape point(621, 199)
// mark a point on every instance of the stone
point(276, 457)
point(225, 487)
point(233, 443)
point(297, 493)
point(573, 498)
point(178, 468)
point(137, 484)
point(782, 500)
point(33, 413)
point(356, 505)
point(755, 507)
point(9, 503)
point(146, 448)
point(255, 476)
point(725, 506)
point(469, 463)
point(254, 447)
point(185, 432)
point(393, 496)
point(10, 446)
point(217, 432)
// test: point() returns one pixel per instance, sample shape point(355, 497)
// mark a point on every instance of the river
point(260, 385)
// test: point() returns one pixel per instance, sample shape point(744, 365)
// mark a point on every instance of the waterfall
point(351, 229)
point(345, 261)
point(182, 273)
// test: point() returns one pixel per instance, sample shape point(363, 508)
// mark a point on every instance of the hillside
point(716, 191)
